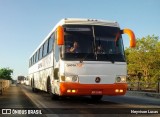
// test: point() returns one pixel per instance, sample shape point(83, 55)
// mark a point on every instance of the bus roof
point(78, 21)
point(88, 22)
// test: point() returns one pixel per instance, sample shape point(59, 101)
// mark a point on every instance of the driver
point(75, 48)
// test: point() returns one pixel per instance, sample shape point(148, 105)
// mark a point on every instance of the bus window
point(78, 43)
point(92, 43)
point(33, 60)
point(37, 56)
point(40, 52)
point(45, 48)
point(56, 52)
point(51, 43)
point(111, 50)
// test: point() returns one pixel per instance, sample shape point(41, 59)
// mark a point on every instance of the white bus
point(81, 57)
point(26, 81)
point(20, 79)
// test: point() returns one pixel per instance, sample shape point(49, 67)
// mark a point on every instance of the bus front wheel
point(49, 90)
point(54, 96)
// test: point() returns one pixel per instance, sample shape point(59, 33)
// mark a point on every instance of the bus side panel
point(41, 71)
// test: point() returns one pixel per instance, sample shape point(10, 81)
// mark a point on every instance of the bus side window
point(33, 59)
point(37, 56)
point(51, 41)
point(45, 47)
point(40, 52)
point(56, 51)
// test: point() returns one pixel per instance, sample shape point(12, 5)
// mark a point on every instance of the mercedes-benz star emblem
point(98, 79)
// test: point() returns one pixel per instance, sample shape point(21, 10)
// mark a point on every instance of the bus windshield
point(92, 43)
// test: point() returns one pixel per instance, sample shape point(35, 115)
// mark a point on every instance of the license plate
point(96, 92)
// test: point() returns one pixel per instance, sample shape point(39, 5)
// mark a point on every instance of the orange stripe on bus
point(86, 89)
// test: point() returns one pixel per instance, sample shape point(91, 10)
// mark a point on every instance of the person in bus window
point(75, 48)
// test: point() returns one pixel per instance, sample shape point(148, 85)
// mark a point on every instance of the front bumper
point(69, 89)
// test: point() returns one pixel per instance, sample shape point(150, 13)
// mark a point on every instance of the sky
point(25, 23)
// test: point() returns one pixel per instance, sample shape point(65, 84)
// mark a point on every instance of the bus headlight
point(71, 78)
point(121, 79)
point(75, 78)
point(68, 78)
point(118, 79)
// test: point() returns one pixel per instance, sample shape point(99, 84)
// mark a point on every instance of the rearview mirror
point(131, 35)
point(60, 35)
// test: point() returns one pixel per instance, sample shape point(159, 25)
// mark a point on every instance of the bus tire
point(96, 97)
point(49, 90)
point(49, 86)
point(54, 96)
point(35, 90)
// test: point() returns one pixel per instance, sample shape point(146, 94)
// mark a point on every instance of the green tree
point(145, 59)
point(5, 73)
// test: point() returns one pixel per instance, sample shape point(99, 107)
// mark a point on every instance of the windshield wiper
point(94, 37)
point(81, 61)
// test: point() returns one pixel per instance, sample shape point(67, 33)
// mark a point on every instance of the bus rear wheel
point(96, 97)
point(49, 86)
point(54, 96)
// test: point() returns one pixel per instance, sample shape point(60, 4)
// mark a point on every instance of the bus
point(81, 57)
point(20, 79)
point(26, 81)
